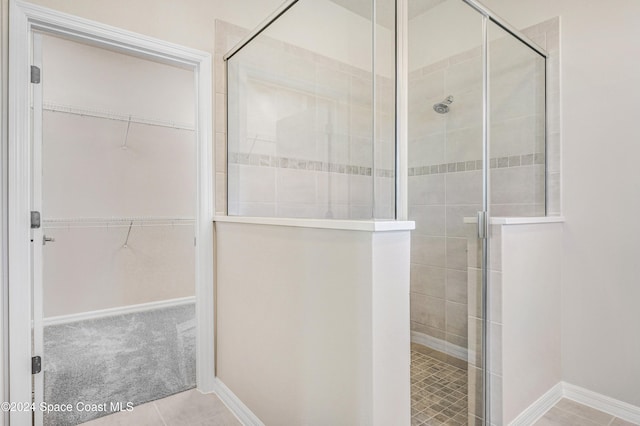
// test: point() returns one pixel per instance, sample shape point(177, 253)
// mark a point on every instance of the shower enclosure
point(476, 150)
point(311, 116)
point(315, 130)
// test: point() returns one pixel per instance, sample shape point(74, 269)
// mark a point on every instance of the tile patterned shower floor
point(438, 392)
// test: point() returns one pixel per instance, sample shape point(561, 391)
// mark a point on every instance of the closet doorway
point(119, 196)
point(115, 189)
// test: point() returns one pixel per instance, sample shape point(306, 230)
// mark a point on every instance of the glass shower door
point(447, 198)
point(518, 126)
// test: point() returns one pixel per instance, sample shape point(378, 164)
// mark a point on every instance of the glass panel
point(384, 144)
point(517, 118)
point(118, 203)
point(445, 194)
point(300, 111)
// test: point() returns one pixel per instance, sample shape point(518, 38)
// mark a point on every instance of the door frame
point(24, 18)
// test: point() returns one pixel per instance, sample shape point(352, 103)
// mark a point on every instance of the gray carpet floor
point(137, 357)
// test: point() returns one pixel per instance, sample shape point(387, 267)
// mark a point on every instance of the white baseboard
point(620, 409)
point(609, 405)
point(102, 313)
point(439, 345)
point(235, 405)
point(540, 407)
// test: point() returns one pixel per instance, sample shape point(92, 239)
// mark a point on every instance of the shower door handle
point(46, 240)
point(482, 224)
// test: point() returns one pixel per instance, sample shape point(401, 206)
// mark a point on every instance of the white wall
point(102, 168)
point(97, 167)
point(390, 327)
point(187, 23)
point(348, 40)
point(316, 330)
point(600, 343)
point(525, 313)
point(190, 23)
point(449, 28)
point(82, 75)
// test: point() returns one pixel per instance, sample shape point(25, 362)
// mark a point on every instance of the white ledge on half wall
point(347, 225)
point(519, 220)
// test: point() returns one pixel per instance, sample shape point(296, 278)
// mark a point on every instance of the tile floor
point(437, 398)
point(438, 391)
point(190, 408)
point(570, 413)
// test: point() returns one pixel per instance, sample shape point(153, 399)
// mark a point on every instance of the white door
point(38, 236)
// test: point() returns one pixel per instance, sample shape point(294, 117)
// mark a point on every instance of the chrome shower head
point(443, 107)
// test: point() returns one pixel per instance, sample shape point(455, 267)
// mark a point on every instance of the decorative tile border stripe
point(263, 160)
point(386, 173)
point(467, 166)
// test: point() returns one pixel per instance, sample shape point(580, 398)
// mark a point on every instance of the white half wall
point(313, 324)
point(389, 327)
point(528, 303)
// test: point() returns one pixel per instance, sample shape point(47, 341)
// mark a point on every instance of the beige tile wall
point(226, 36)
point(547, 35)
point(445, 182)
point(301, 134)
point(476, 322)
point(445, 185)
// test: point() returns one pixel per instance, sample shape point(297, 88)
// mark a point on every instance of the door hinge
point(36, 365)
point(35, 74)
point(35, 220)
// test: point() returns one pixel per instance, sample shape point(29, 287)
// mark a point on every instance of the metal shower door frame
point(484, 217)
